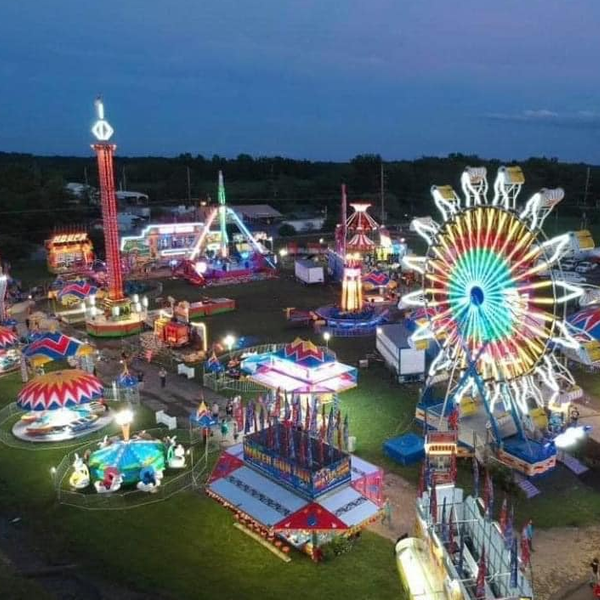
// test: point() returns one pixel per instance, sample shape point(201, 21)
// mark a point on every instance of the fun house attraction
point(118, 316)
point(495, 312)
point(460, 552)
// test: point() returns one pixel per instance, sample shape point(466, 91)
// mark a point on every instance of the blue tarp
point(406, 449)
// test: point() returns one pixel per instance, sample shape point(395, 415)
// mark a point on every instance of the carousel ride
point(495, 312)
point(130, 462)
point(61, 405)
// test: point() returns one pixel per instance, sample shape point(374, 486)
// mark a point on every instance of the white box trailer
point(392, 342)
point(308, 272)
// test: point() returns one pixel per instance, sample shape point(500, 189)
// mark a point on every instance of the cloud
point(582, 119)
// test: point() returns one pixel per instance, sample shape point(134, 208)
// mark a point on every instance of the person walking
point(140, 378)
point(163, 377)
point(229, 409)
point(215, 411)
point(387, 513)
point(595, 566)
point(529, 532)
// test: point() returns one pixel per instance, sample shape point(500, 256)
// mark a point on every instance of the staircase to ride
point(528, 488)
point(572, 463)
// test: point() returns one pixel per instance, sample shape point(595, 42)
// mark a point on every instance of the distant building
point(258, 213)
point(81, 191)
point(132, 197)
point(306, 225)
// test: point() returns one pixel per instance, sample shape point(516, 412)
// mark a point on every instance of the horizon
point(313, 82)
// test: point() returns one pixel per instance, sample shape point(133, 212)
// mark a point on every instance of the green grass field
point(187, 547)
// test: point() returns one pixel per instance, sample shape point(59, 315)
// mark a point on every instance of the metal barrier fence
point(221, 381)
point(192, 478)
point(342, 332)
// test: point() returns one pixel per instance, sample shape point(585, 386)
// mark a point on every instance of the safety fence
point(223, 381)
point(192, 477)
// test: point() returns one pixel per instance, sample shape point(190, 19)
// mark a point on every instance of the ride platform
point(529, 457)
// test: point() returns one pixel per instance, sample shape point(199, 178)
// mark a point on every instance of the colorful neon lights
point(492, 298)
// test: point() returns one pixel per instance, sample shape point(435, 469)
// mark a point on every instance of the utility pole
point(124, 180)
point(189, 186)
point(587, 185)
point(382, 193)
point(85, 177)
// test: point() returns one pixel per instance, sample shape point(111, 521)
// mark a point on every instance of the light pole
point(229, 341)
point(327, 337)
point(124, 419)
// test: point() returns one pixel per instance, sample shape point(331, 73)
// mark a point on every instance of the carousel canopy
point(60, 389)
point(300, 367)
point(7, 338)
point(587, 320)
point(50, 346)
point(76, 290)
point(129, 458)
point(360, 243)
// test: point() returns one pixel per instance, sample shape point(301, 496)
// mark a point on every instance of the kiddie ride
point(138, 462)
point(497, 321)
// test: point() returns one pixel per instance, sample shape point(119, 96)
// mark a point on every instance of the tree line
point(33, 199)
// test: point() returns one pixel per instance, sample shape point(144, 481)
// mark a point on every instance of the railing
point(192, 478)
point(342, 332)
point(221, 381)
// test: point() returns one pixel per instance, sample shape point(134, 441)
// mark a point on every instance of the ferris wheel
point(495, 306)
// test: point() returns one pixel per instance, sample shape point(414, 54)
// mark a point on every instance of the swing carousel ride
point(495, 310)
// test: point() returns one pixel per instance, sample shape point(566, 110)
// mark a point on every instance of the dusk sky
point(317, 79)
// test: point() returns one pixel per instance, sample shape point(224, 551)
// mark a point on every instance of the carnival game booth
point(459, 551)
point(61, 405)
point(302, 494)
point(10, 355)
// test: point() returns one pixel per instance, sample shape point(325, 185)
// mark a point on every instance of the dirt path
point(402, 496)
point(561, 555)
point(561, 558)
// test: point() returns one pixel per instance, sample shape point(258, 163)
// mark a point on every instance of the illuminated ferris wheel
point(495, 305)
